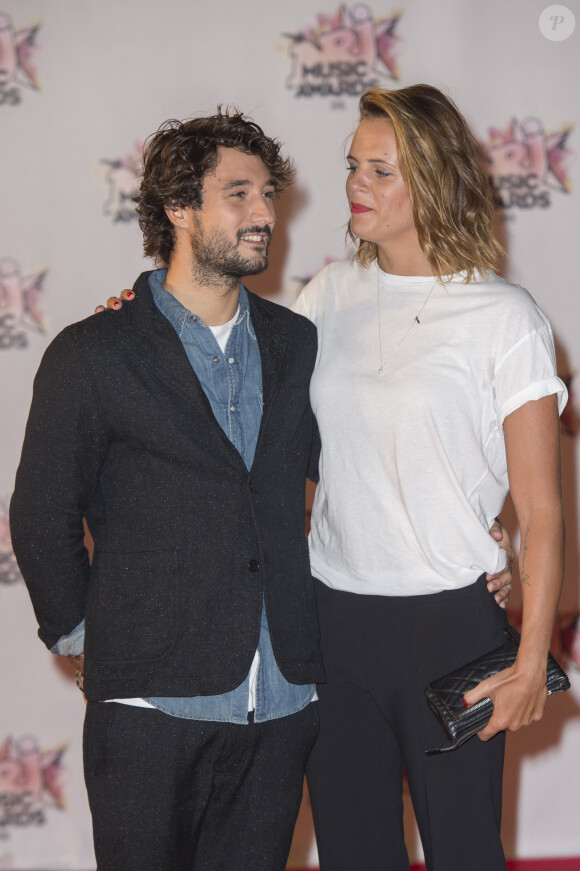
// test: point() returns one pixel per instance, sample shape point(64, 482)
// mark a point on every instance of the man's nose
point(263, 212)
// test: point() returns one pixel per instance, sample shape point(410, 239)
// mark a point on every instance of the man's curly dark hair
point(176, 160)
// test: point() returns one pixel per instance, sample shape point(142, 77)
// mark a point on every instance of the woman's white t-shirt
point(413, 466)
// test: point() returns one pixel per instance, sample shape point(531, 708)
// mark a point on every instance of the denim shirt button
point(216, 359)
point(253, 565)
point(231, 360)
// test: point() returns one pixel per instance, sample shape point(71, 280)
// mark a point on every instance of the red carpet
point(572, 864)
point(521, 865)
point(543, 864)
point(532, 865)
point(517, 865)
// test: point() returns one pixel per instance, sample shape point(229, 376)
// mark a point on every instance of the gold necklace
point(415, 320)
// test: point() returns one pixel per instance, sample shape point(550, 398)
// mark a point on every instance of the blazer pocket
point(131, 605)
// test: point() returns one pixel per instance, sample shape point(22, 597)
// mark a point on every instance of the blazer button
point(253, 565)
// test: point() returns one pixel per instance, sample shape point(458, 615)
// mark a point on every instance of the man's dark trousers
point(194, 795)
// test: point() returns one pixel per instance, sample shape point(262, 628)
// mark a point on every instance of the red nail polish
point(465, 705)
point(130, 294)
point(116, 305)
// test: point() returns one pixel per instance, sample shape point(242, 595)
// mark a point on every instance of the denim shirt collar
point(175, 312)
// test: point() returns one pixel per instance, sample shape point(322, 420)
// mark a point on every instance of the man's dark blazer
point(186, 539)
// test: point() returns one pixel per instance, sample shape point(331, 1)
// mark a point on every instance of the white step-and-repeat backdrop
point(81, 86)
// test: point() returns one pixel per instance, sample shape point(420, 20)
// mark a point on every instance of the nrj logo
point(9, 573)
point(345, 54)
point(122, 177)
point(17, 48)
point(29, 782)
point(527, 164)
point(20, 304)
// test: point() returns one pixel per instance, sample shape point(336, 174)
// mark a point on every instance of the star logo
point(345, 53)
point(122, 178)
point(30, 773)
point(17, 49)
point(21, 298)
point(527, 164)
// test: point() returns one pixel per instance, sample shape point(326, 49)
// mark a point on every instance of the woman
point(435, 382)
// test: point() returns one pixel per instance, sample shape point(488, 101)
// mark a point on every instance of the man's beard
point(217, 259)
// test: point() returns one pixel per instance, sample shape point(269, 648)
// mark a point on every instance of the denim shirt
point(232, 382)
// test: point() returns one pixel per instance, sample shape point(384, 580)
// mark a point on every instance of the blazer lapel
point(162, 354)
point(273, 346)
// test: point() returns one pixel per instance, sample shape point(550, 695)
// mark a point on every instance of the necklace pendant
point(380, 371)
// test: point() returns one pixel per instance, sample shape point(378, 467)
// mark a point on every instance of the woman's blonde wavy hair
point(450, 192)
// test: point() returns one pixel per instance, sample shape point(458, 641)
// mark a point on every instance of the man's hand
point(79, 664)
point(501, 583)
point(116, 302)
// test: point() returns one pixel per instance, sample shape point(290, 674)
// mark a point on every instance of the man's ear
point(178, 215)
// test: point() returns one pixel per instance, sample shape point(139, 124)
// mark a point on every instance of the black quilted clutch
point(445, 695)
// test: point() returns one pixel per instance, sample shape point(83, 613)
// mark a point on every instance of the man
point(181, 430)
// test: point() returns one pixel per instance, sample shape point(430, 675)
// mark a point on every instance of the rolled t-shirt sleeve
point(527, 370)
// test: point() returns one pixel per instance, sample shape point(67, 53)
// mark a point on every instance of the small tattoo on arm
point(524, 576)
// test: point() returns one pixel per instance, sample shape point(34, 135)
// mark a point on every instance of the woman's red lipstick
point(357, 209)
